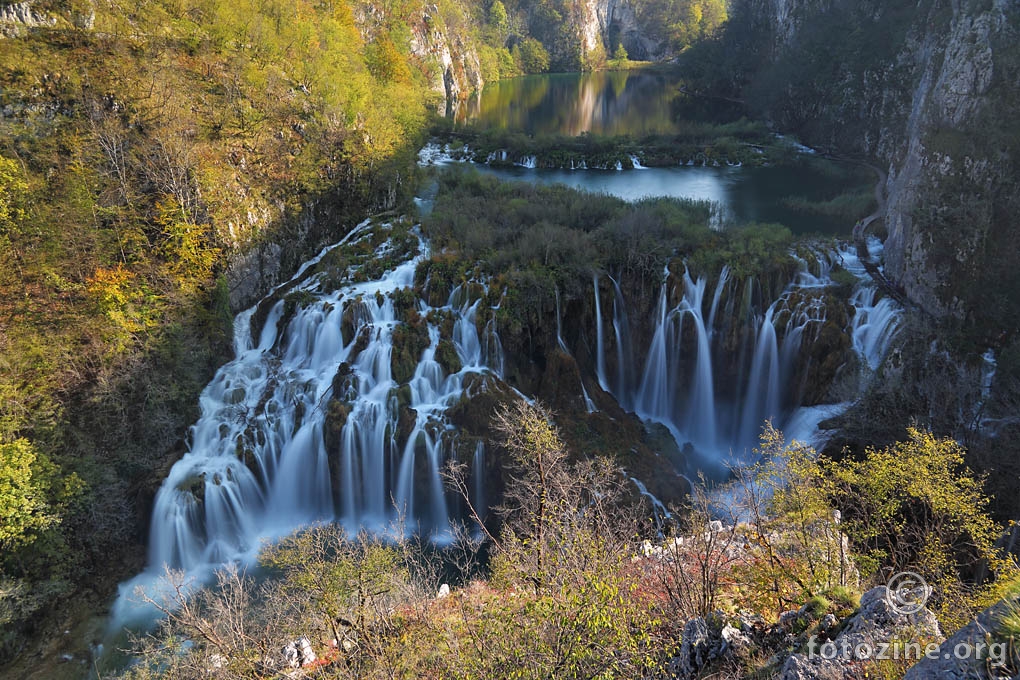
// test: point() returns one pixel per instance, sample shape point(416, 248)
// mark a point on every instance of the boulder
point(298, 653)
point(708, 641)
point(876, 622)
point(979, 634)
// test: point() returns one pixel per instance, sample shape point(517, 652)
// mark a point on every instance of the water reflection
point(740, 194)
point(604, 103)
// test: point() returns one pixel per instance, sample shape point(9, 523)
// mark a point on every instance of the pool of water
point(640, 102)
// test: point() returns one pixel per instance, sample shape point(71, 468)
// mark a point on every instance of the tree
point(13, 193)
point(499, 20)
point(620, 54)
point(562, 602)
point(531, 56)
point(29, 490)
point(916, 506)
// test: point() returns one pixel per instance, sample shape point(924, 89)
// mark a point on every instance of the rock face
point(927, 87)
point(980, 631)
point(617, 18)
point(710, 641)
point(18, 16)
point(875, 623)
point(456, 68)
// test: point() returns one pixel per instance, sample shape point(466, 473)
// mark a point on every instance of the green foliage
point(915, 505)
point(562, 551)
point(682, 23)
point(530, 56)
point(338, 581)
point(31, 494)
point(798, 552)
point(136, 158)
point(13, 195)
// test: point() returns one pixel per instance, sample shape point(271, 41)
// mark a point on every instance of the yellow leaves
point(13, 195)
point(186, 247)
point(31, 493)
point(118, 295)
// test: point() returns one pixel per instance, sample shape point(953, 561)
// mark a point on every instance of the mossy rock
point(364, 337)
point(443, 320)
point(407, 418)
point(447, 357)
point(298, 299)
point(843, 282)
point(405, 303)
point(195, 486)
point(409, 341)
point(402, 395)
point(244, 449)
point(343, 381)
point(435, 278)
point(354, 316)
point(337, 413)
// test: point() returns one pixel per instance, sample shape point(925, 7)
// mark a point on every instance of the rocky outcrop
point(709, 642)
point(876, 623)
point(983, 633)
point(611, 20)
point(456, 70)
point(16, 17)
point(954, 92)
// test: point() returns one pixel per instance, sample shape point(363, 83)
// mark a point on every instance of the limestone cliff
point(608, 21)
point(927, 88)
point(454, 63)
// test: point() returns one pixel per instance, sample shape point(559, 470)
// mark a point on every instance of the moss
point(817, 607)
point(194, 485)
point(447, 357)
point(352, 318)
point(298, 299)
point(844, 281)
point(405, 302)
point(364, 337)
point(337, 413)
point(343, 381)
point(409, 341)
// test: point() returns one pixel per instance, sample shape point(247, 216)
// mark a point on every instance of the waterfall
point(303, 427)
point(621, 329)
point(478, 472)
point(589, 405)
point(680, 385)
point(874, 325)
point(724, 278)
point(600, 351)
point(700, 422)
point(653, 398)
point(762, 400)
point(559, 321)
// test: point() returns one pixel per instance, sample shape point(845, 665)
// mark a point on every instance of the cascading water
point(679, 383)
point(260, 463)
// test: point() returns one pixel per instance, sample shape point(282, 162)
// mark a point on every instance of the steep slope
point(928, 89)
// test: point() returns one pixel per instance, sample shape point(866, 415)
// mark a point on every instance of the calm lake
point(635, 103)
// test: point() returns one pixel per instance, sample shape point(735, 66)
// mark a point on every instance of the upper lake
point(808, 196)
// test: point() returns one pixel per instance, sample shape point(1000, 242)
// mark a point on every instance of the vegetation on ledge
point(698, 143)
